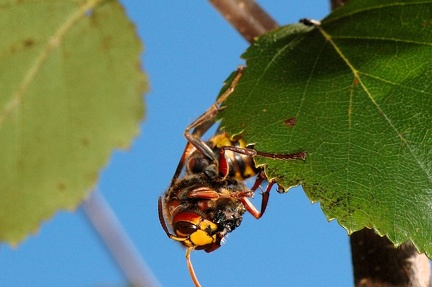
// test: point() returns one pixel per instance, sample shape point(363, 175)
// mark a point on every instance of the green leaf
point(355, 93)
point(71, 91)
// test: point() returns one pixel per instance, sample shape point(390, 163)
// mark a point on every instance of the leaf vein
point(396, 84)
point(52, 43)
point(382, 39)
point(377, 7)
point(370, 96)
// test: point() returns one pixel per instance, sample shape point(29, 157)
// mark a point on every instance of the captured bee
point(207, 196)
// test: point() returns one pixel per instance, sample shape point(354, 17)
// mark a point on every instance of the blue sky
point(189, 51)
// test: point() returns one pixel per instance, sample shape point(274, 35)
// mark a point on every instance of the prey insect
point(207, 196)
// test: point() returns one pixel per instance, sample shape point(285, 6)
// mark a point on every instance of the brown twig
point(247, 17)
point(117, 241)
point(378, 263)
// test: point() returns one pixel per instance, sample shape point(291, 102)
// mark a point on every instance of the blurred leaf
point(71, 91)
point(356, 95)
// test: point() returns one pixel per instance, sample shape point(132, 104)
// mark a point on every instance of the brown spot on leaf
point(290, 122)
point(85, 141)
point(61, 186)
point(356, 81)
point(106, 43)
point(28, 42)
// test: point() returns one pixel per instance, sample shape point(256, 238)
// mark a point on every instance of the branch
point(247, 17)
point(105, 222)
point(377, 263)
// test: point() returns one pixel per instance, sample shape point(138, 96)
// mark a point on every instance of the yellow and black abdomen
point(240, 166)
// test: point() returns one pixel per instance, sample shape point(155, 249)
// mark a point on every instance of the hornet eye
point(184, 228)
